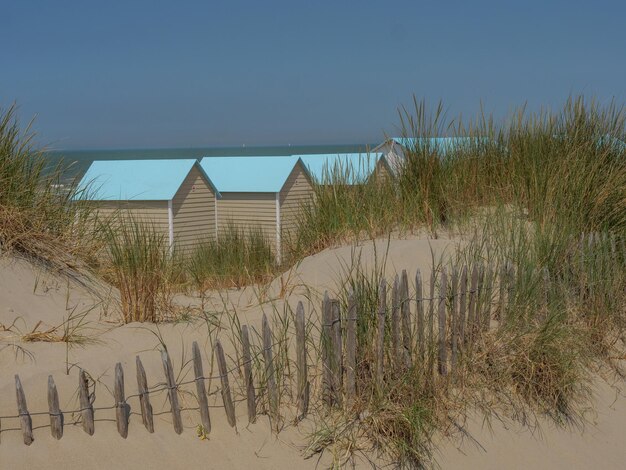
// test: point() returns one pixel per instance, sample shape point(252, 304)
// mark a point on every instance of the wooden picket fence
point(431, 330)
point(442, 325)
point(332, 340)
point(428, 332)
point(121, 406)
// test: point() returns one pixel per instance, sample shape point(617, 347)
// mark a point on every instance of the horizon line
point(241, 146)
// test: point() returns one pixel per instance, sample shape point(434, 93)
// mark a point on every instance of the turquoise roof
point(441, 144)
point(612, 142)
point(356, 167)
point(263, 174)
point(140, 180)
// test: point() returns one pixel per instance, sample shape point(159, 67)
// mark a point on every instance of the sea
point(74, 163)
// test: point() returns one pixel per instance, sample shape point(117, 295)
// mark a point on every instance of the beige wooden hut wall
point(193, 211)
point(248, 210)
point(381, 173)
point(297, 190)
point(153, 212)
point(393, 153)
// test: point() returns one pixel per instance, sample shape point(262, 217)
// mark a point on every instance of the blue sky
point(187, 74)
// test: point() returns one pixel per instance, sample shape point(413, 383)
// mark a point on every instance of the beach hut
point(395, 148)
point(260, 192)
point(613, 143)
point(349, 168)
point(176, 196)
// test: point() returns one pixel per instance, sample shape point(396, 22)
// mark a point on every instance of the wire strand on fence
point(156, 389)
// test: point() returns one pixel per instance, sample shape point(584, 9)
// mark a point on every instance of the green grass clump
point(547, 366)
point(142, 266)
point(239, 257)
point(565, 308)
point(342, 210)
point(38, 218)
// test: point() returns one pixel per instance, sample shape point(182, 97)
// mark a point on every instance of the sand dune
point(27, 296)
point(596, 443)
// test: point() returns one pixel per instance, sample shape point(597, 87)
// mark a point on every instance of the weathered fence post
point(247, 374)
point(203, 403)
point(172, 391)
point(226, 395)
point(337, 362)
point(303, 380)
point(581, 252)
point(86, 407)
point(582, 263)
point(272, 391)
point(613, 246)
point(395, 321)
point(502, 288)
point(144, 397)
point(604, 249)
point(56, 417)
point(589, 262)
point(462, 308)
point(405, 313)
point(510, 284)
point(489, 281)
point(351, 350)
point(26, 423)
point(380, 336)
point(545, 278)
point(443, 297)
point(327, 342)
point(419, 304)
point(122, 410)
point(454, 318)
point(471, 310)
point(479, 304)
point(431, 327)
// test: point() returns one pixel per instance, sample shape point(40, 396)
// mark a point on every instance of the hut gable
point(253, 190)
point(249, 186)
point(297, 191)
point(383, 172)
point(174, 195)
point(193, 210)
point(395, 149)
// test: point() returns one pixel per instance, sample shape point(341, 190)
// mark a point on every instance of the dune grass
point(343, 210)
point(37, 219)
point(240, 257)
point(138, 260)
point(538, 359)
point(525, 195)
point(563, 168)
